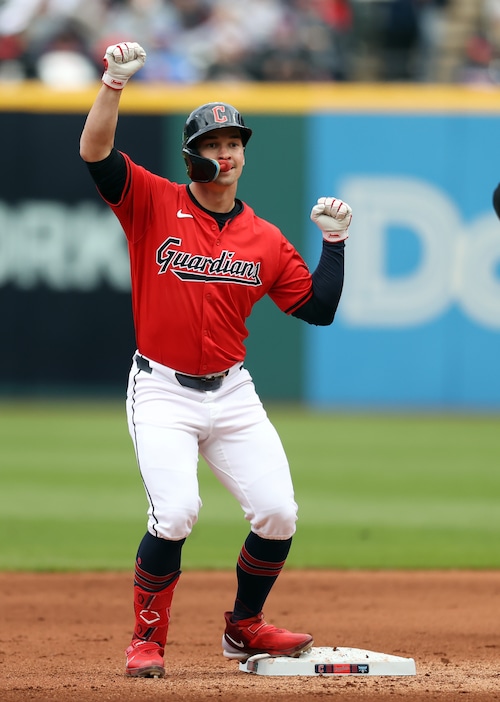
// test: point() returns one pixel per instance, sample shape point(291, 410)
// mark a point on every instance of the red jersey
point(193, 285)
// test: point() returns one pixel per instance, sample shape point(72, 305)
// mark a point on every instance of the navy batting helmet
point(213, 115)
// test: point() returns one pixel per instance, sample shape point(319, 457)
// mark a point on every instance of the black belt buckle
point(202, 383)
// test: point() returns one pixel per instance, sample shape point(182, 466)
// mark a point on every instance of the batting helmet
point(213, 115)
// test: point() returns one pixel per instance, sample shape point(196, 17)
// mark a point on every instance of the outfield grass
point(374, 491)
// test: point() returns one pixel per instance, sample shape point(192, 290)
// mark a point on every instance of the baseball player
point(200, 259)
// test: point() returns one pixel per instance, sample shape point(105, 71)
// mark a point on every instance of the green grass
point(374, 491)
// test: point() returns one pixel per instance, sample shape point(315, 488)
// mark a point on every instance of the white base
point(330, 661)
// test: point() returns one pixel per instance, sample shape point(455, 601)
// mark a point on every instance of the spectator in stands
point(37, 27)
point(399, 38)
point(432, 22)
point(309, 45)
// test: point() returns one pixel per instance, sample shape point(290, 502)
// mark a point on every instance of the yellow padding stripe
point(264, 98)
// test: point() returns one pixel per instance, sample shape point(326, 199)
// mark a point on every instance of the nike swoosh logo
point(240, 644)
point(182, 215)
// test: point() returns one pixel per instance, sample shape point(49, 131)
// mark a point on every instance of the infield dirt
point(63, 636)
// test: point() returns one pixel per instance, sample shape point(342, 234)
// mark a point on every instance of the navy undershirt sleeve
point(328, 281)
point(110, 176)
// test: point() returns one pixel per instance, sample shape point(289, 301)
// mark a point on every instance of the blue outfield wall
point(419, 321)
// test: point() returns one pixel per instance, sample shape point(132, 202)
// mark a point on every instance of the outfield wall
point(419, 321)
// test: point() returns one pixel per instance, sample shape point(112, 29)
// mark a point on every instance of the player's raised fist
point(333, 217)
point(121, 61)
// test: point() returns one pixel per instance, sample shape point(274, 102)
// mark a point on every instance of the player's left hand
point(333, 217)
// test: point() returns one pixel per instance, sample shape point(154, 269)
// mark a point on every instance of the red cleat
point(144, 660)
point(251, 636)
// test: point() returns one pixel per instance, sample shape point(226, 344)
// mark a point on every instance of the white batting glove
point(121, 61)
point(333, 217)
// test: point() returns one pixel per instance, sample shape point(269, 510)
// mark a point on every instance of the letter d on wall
point(371, 297)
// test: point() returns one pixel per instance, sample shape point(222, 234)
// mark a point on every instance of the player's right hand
point(121, 61)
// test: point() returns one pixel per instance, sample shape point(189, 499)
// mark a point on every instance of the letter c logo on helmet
point(219, 113)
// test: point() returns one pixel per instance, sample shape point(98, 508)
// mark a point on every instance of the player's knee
point(174, 525)
point(276, 524)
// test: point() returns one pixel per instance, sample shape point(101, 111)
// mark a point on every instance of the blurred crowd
point(189, 41)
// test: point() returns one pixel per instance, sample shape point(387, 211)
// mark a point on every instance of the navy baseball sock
point(259, 564)
point(157, 563)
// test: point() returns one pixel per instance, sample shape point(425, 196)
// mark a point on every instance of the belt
point(195, 382)
point(201, 382)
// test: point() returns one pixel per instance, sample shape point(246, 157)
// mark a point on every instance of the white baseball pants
point(171, 425)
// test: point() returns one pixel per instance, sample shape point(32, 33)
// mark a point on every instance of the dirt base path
point(62, 637)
